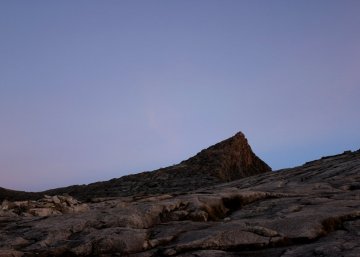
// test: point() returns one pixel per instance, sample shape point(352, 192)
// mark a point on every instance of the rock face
point(228, 160)
point(311, 210)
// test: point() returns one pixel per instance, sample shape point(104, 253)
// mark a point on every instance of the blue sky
point(92, 90)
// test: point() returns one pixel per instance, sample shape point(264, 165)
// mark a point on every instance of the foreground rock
point(311, 210)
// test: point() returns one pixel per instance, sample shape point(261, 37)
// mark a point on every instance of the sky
point(94, 90)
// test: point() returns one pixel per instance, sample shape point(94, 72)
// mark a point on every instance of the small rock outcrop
point(47, 206)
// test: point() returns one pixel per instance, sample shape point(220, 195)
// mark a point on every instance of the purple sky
point(92, 90)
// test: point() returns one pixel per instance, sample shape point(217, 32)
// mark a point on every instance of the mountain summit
point(228, 160)
point(225, 161)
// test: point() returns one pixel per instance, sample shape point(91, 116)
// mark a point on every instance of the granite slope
point(310, 210)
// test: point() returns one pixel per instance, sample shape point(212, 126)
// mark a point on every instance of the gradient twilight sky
point(92, 90)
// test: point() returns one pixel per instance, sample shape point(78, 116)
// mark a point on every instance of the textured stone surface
point(311, 210)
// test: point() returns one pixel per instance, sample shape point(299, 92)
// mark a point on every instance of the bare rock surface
point(310, 210)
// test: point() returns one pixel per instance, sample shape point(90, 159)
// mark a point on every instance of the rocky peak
point(230, 159)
